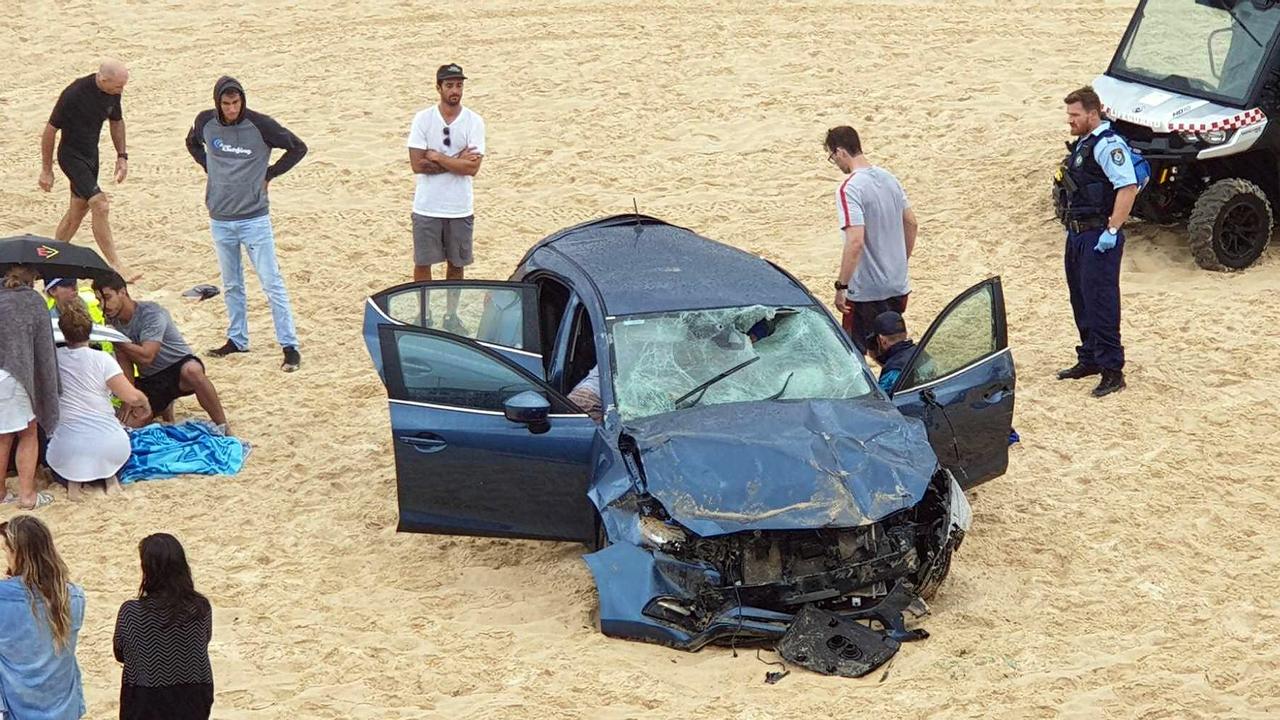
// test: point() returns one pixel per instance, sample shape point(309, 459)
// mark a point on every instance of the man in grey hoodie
point(233, 144)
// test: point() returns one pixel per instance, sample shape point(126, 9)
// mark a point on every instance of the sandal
point(42, 499)
point(9, 499)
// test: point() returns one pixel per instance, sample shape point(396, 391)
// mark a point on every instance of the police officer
point(1094, 191)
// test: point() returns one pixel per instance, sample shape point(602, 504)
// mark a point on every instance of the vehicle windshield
point(1200, 47)
point(707, 357)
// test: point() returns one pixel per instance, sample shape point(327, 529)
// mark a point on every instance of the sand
point(1124, 567)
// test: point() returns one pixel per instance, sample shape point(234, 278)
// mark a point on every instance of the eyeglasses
point(831, 157)
point(446, 136)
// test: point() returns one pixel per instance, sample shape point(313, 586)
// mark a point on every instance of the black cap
point(890, 323)
point(452, 70)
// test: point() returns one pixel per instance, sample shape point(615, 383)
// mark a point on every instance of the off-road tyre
point(1230, 225)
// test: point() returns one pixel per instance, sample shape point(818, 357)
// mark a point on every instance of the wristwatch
point(123, 156)
point(1113, 230)
point(841, 286)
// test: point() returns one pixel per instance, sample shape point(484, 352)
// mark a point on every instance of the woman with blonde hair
point(28, 382)
point(40, 617)
point(90, 443)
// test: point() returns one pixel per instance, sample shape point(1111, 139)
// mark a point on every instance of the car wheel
point(1230, 225)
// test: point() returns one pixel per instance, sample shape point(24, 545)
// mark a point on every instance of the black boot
point(1112, 381)
point(1077, 371)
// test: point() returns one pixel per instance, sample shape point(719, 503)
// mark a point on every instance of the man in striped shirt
point(879, 234)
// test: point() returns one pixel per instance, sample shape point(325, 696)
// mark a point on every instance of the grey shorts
point(438, 240)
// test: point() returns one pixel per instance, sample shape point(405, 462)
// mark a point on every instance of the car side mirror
point(528, 408)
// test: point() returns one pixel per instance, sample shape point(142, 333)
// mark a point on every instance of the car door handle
point(995, 394)
point(425, 443)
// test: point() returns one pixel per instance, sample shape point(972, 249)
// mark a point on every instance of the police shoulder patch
point(1117, 156)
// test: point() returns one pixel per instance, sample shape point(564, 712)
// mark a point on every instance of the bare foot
point(112, 486)
point(74, 492)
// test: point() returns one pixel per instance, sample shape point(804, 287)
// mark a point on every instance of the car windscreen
point(674, 361)
point(1200, 47)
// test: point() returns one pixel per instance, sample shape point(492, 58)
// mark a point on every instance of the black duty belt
point(1079, 225)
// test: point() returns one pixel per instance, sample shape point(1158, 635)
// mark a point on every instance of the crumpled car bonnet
point(783, 465)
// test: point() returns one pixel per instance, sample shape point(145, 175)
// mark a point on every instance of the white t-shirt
point(89, 443)
point(445, 195)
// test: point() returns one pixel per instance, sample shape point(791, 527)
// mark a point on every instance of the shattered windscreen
point(706, 357)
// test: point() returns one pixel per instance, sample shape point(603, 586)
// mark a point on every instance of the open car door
point(960, 382)
point(462, 466)
point(502, 316)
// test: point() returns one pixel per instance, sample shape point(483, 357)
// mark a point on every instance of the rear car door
point(960, 382)
point(502, 316)
point(461, 466)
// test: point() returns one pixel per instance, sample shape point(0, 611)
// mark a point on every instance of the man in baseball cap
point(893, 347)
point(446, 146)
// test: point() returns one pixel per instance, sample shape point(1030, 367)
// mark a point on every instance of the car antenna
point(635, 206)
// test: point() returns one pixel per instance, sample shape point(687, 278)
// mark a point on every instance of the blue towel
point(194, 447)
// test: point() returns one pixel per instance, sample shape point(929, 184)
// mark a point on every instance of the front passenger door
point(960, 382)
point(461, 466)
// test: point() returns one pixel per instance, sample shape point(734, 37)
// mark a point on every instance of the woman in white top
point(90, 443)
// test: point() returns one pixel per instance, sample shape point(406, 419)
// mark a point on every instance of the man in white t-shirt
point(446, 145)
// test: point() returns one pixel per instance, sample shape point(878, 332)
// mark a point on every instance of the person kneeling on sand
point(89, 443)
point(167, 369)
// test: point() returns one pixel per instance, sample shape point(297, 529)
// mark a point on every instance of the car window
point(767, 353)
point(962, 337)
point(440, 371)
point(486, 313)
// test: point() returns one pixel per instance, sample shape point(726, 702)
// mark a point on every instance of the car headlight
point(661, 533)
point(1214, 137)
point(1188, 136)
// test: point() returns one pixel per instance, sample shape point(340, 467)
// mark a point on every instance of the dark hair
point(74, 320)
point(1087, 98)
point(111, 281)
point(166, 579)
point(843, 137)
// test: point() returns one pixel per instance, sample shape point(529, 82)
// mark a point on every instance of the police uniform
point(1099, 165)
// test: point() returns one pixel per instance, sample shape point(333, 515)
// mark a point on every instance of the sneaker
point(228, 348)
point(1112, 381)
point(1077, 371)
point(292, 359)
point(453, 325)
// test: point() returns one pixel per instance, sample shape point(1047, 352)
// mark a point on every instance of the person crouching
point(90, 443)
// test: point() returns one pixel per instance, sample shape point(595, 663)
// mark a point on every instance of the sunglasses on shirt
point(446, 136)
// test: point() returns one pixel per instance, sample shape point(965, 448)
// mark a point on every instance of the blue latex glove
point(1106, 241)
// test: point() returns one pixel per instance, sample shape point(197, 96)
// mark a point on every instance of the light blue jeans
point(259, 242)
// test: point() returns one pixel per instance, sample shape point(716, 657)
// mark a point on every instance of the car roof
point(640, 264)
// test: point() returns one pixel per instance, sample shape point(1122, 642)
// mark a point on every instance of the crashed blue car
point(746, 465)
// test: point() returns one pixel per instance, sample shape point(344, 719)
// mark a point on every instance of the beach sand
point(1123, 567)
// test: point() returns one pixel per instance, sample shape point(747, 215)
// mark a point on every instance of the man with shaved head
point(79, 113)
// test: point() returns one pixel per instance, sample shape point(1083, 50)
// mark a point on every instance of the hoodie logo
point(222, 147)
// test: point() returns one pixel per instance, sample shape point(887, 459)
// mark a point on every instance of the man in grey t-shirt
point(879, 235)
point(166, 369)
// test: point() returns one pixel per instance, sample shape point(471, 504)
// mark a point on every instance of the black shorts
point(81, 172)
point(861, 322)
point(163, 388)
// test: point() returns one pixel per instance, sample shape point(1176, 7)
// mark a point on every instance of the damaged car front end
point(729, 548)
